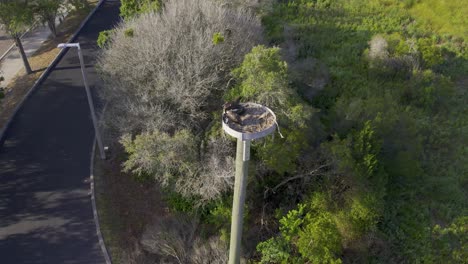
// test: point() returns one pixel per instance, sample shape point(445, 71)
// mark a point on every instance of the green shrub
point(129, 32)
point(218, 38)
point(308, 234)
point(179, 203)
point(132, 8)
point(263, 79)
point(104, 38)
point(430, 53)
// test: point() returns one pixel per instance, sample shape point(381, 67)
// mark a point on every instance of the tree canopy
point(371, 165)
point(16, 16)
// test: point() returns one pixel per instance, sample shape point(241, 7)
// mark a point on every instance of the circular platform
point(255, 122)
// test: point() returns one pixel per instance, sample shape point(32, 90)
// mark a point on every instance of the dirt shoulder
point(125, 207)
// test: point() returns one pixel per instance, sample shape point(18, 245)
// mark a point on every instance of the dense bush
point(309, 234)
point(103, 38)
point(132, 8)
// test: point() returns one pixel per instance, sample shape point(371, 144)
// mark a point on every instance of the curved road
point(45, 207)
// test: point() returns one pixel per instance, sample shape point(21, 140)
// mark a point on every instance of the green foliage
point(275, 250)
point(160, 154)
point(179, 203)
point(129, 32)
point(365, 150)
point(393, 188)
point(131, 8)
point(319, 241)
point(220, 214)
point(47, 11)
point(218, 38)
point(430, 53)
point(263, 79)
point(394, 109)
point(444, 17)
point(307, 234)
point(104, 38)
point(16, 16)
point(218, 217)
point(452, 241)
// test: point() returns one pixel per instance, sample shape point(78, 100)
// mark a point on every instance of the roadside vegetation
point(371, 102)
point(18, 16)
point(39, 61)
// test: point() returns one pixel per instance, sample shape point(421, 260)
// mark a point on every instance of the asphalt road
point(45, 207)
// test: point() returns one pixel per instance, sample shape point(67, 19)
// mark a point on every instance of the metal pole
point(91, 106)
point(240, 185)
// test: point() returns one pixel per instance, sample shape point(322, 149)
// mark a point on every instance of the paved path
point(5, 42)
point(45, 208)
point(12, 63)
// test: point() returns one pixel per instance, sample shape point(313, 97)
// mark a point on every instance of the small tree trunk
point(27, 67)
point(53, 29)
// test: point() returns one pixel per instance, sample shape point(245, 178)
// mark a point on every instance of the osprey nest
point(248, 117)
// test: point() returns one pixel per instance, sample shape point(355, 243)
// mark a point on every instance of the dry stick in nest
point(250, 118)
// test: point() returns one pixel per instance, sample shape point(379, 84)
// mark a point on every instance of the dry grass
point(40, 60)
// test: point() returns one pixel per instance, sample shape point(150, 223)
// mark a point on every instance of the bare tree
point(212, 251)
point(214, 172)
point(170, 73)
point(174, 239)
point(170, 237)
point(378, 48)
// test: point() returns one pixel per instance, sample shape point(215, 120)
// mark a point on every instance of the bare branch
point(300, 176)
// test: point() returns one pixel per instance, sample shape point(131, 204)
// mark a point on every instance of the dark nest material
point(253, 118)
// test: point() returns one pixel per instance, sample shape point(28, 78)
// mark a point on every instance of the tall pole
point(91, 105)
point(240, 185)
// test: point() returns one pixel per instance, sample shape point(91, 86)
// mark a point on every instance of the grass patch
point(444, 17)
